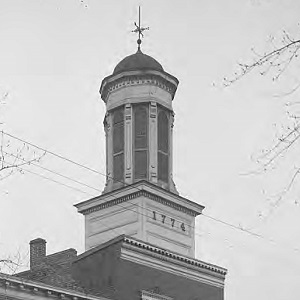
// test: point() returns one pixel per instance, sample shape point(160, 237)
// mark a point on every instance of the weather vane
point(139, 30)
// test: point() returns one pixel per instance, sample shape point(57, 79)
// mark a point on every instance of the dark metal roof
point(137, 61)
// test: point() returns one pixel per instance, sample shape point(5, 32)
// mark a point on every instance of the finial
point(139, 30)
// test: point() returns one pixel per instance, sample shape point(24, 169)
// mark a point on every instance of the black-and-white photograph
point(149, 149)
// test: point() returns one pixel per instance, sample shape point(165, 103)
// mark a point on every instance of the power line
point(88, 168)
point(54, 154)
point(95, 171)
point(63, 184)
point(79, 182)
point(53, 172)
point(233, 226)
point(48, 178)
point(81, 191)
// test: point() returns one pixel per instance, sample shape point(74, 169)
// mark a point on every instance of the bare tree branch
point(12, 263)
point(278, 59)
point(282, 54)
point(22, 155)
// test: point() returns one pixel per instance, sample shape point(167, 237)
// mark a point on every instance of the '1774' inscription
point(168, 220)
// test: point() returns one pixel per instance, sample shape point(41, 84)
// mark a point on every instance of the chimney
point(37, 251)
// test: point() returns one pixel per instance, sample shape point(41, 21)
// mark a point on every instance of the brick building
point(139, 233)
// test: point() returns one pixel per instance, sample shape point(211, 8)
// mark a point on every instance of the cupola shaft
point(139, 123)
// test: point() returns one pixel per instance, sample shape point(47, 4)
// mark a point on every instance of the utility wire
point(88, 168)
point(102, 174)
point(79, 182)
point(63, 184)
point(48, 178)
point(54, 154)
point(127, 208)
point(233, 226)
point(84, 192)
point(51, 171)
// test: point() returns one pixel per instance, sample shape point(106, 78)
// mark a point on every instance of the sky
point(54, 55)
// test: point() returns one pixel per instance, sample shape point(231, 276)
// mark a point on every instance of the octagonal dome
point(137, 61)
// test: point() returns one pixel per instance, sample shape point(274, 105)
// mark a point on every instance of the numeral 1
point(154, 215)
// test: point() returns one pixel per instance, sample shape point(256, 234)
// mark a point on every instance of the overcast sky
point(53, 56)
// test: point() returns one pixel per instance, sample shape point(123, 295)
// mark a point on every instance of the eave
point(13, 286)
point(132, 191)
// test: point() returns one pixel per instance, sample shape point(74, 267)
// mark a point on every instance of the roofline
point(172, 79)
point(152, 256)
point(91, 251)
point(36, 286)
point(191, 206)
point(148, 248)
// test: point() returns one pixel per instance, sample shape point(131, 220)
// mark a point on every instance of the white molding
point(138, 244)
point(130, 206)
point(170, 241)
point(163, 263)
point(128, 158)
point(146, 295)
point(142, 186)
point(135, 78)
point(114, 218)
point(21, 288)
point(107, 229)
point(153, 142)
point(118, 98)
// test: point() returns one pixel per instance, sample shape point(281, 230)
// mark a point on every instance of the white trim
point(128, 158)
point(33, 288)
point(176, 268)
point(116, 102)
point(107, 229)
point(198, 263)
point(168, 240)
point(164, 75)
point(146, 295)
point(139, 187)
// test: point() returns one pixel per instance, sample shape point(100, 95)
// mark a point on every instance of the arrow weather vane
point(139, 30)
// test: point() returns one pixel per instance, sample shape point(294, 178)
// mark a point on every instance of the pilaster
point(171, 181)
point(153, 142)
point(128, 143)
point(109, 149)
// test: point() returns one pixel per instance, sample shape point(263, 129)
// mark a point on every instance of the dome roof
point(137, 61)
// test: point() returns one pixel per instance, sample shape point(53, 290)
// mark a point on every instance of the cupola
point(139, 122)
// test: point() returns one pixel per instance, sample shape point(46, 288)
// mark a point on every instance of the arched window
point(140, 141)
point(163, 146)
point(118, 144)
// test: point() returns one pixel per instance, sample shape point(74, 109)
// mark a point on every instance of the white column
point(153, 142)
point(109, 152)
point(171, 182)
point(128, 144)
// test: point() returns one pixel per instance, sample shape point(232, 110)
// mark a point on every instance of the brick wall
point(104, 272)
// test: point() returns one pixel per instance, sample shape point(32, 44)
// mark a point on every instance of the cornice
point(32, 287)
point(134, 195)
point(146, 295)
point(135, 79)
point(164, 254)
